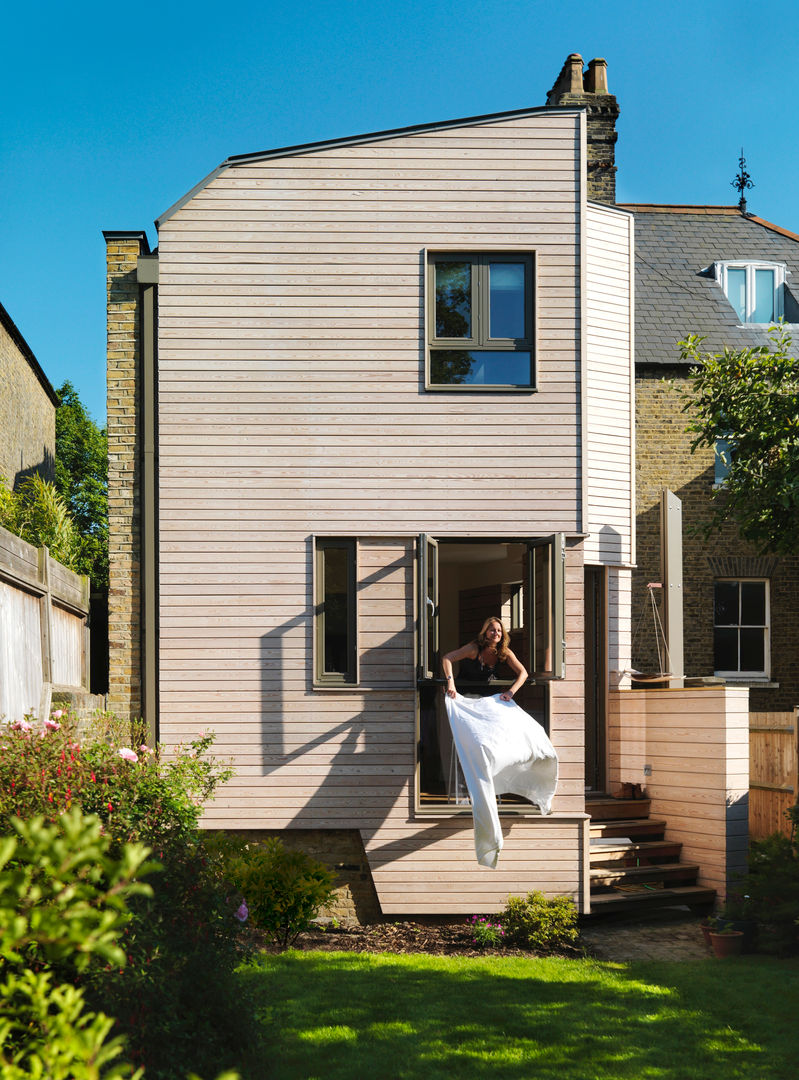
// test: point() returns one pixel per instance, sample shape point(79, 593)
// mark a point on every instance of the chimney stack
point(590, 90)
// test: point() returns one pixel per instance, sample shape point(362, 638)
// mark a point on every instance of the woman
point(479, 659)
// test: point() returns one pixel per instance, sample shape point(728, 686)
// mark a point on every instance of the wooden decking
point(633, 866)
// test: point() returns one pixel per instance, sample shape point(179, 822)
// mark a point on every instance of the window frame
point(750, 266)
point(745, 674)
point(480, 341)
point(323, 679)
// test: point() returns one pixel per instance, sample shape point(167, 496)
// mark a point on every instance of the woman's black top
point(474, 670)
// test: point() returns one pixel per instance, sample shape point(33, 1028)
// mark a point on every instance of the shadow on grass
point(336, 1015)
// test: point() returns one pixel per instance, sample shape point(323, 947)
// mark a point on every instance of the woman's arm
point(469, 650)
point(520, 672)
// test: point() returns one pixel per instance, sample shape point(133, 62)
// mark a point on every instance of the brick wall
point(664, 459)
point(124, 509)
point(27, 416)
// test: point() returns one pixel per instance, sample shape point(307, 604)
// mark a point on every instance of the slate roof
point(673, 298)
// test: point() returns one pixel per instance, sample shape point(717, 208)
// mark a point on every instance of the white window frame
point(742, 675)
point(780, 273)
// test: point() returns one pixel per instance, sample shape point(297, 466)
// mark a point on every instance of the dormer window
point(753, 288)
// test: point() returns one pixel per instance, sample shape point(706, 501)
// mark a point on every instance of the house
point(365, 393)
point(27, 409)
point(726, 275)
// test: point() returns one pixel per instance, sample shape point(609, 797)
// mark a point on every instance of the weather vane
point(741, 182)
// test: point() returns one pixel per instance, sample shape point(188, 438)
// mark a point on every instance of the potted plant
point(726, 941)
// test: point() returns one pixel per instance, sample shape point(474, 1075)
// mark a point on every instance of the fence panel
point(43, 631)
point(773, 771)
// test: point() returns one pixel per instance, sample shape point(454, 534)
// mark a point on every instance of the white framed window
point(741, 628)
point(723, 459)
point(754, 289)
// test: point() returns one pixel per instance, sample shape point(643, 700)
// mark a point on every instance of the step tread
point(654, 872)
point(677, 894)
point(613, 809)
point(646, 849)
point(621, 826)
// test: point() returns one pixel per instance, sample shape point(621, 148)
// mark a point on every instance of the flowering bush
point(181, 942)
point(487, 933)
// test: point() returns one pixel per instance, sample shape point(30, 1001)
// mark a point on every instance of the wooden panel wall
point(291, 402)
point(609, 386)
point(696, 742)
point(20, 653)
point(773, 771)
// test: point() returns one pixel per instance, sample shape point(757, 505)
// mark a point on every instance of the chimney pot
point(596, 79)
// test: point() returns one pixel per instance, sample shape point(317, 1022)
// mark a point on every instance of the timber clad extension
point(326, 526)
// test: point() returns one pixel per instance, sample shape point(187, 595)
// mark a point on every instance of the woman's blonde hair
point(502, 648)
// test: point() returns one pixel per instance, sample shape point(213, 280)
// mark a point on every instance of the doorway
point(595, 607)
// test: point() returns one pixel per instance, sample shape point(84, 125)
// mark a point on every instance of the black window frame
point(480, 341)
point(322, 677)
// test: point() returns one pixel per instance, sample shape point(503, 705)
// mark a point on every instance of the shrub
point(769, 893)
point(535, 922)
point(63, 904)
point(182, 943)
point(487, 933)
point(37, 513)
point(284, 889)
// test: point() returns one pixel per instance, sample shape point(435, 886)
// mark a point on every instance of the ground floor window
point(741, 627)
point(460, 584)
point(335, 614)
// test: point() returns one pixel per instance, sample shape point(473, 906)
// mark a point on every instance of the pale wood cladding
point(291, 402)
point(609, 383)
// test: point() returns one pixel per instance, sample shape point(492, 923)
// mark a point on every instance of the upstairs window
point(753, 288)
point(480, 321)
point(741, 628)
point(335, 620)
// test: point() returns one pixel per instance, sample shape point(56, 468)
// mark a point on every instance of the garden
point(133, 944)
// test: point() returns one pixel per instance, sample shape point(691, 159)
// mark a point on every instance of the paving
point(670, 934)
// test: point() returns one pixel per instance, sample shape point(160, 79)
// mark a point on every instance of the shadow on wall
point(45, 469)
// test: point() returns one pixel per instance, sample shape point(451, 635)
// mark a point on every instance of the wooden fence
point(773, 771)
point(44, 637)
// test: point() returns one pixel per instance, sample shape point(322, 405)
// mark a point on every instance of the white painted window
point(741, 628)
point(754, 289)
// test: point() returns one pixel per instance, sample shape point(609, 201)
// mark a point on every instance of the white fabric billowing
point(501, 749)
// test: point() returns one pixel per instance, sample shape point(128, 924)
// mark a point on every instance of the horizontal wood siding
point(696, 742)
point(609, 386)
point(291, 403)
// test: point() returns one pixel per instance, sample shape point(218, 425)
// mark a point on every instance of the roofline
point(730, 211)
point(26, 351)
point(128, 234)
point(360, 140)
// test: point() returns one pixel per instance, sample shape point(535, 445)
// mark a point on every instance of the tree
point(750, 398)
point(81, 478)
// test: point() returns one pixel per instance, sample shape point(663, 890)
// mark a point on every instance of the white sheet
point(501, 749)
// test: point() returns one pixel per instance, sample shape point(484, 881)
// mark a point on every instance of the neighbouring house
point(27, 409)
point(44, 636)
point(365, 393)
point(728, 276)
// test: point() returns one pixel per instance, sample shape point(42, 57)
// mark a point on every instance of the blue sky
point(113, 112)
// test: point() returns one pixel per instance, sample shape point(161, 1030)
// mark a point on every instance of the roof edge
point(360, 140)
point(730, 211)
point(27, 352)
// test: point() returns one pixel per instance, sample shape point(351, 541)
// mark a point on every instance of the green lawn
point(345, 1015)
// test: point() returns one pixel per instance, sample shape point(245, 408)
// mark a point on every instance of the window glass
point(335, 615)
point(723, 460)
point(725, 650)
point(753, 603)
point(335, 609)
point(726, 607)
point(736, 290)
point(764, 297)
point(453, 299)
point(753, 656)
point(507, 293)
point(460, 367)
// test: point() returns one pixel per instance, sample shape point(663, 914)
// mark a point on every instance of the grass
point(346, 1015)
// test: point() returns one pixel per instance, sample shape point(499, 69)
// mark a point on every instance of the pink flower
point(56, 715)
point(242, 913)
point(145, 749)
point(52, 725)
point(128, 754)
point(21, 725)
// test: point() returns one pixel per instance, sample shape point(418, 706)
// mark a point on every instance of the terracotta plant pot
point(706, 929)
point(727, 942)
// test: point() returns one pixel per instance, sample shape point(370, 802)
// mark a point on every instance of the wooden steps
point(633, 866)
